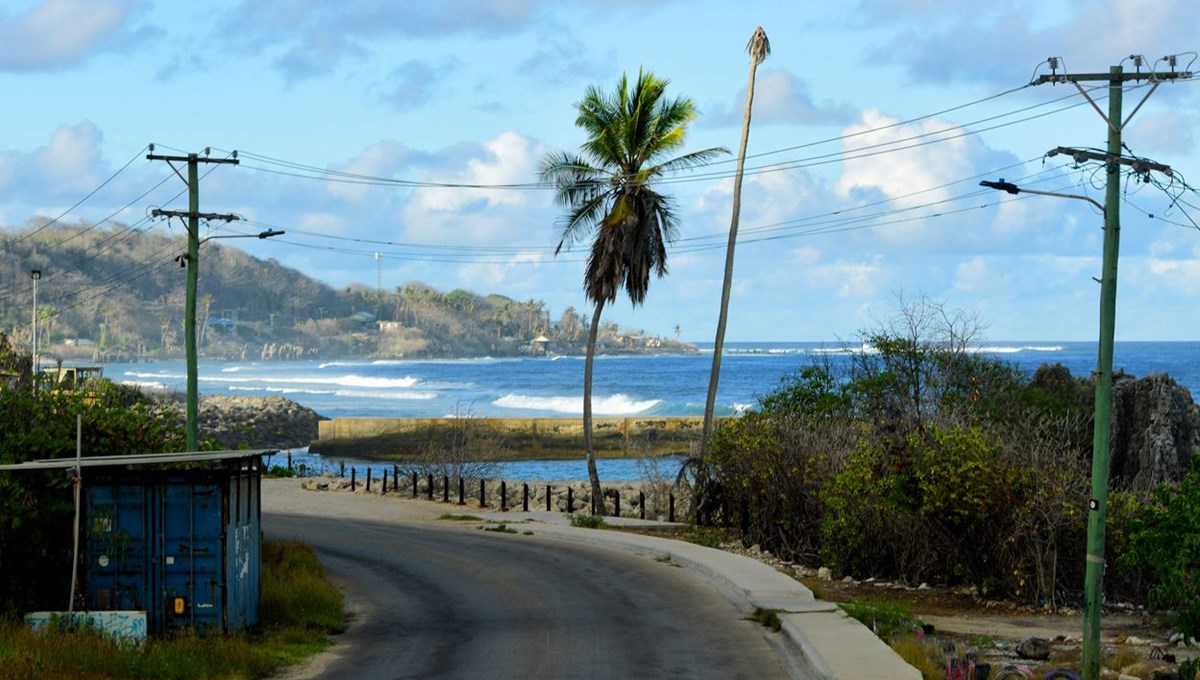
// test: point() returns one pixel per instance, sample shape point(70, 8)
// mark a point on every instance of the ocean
point(628, 385)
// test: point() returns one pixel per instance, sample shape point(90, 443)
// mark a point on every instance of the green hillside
point(117, 294)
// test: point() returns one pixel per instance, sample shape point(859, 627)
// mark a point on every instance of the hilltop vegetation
point(114, 294)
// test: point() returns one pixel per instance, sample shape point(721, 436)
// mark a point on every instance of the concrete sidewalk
point(833, 645)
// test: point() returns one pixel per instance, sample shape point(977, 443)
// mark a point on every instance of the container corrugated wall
point(184, 545)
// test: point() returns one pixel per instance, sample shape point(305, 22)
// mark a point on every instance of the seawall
point(504, 438)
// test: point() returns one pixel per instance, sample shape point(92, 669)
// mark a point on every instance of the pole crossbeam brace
point(1138, 164)
point(1055, 78)
point(1115, 79)
point(210, 217)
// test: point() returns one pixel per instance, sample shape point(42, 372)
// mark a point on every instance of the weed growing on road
point(587, 521)
point(767, 618)
point(461, 518)
point(500, 529)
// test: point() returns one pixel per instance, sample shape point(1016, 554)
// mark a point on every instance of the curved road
point(455, 602)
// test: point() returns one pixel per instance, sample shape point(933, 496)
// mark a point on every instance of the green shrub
point(587, 521)
point(1167, 540)
point(887, 619)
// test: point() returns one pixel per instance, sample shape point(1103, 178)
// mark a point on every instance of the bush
point(1167, 540)
point(913, 457)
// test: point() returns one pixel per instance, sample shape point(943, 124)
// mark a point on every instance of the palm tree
point(608, 194)
point(759, 49)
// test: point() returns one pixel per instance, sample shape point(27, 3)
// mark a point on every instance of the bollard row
point(629, 501)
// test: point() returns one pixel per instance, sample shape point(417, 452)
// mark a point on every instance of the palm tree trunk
point(759, 47)
point(593, 475)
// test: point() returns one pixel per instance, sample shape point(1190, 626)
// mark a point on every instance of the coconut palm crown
point(607, 187)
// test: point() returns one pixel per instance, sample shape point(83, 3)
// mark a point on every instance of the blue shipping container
point(183, 545)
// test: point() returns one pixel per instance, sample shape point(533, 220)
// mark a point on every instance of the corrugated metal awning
point(142, 459)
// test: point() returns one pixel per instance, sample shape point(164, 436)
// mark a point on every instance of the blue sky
point(873, 123)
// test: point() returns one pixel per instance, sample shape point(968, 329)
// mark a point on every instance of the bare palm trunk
point(758, 47)
point(593, 475)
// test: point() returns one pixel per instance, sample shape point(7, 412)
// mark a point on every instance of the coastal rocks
point(1155, 431)
point(254, 422)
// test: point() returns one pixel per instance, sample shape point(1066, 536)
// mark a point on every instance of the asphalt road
point(453, 601)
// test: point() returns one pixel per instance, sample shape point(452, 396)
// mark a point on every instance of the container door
point(191, 557)
point(116, 566)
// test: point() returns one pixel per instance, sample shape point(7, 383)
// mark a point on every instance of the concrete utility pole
point(1116, 77)
point(192, 262)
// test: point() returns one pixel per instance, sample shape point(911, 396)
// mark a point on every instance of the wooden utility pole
point(192, 262)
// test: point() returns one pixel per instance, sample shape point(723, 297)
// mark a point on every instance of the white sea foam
point(616, 405)
point(1000, 349)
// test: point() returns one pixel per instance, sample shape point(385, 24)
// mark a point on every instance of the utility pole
point(378, 284)
point(192, 262)
point(1093, 595)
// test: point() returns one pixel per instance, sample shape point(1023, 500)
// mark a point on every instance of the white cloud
point(976, 276)
point(381, 159)
point(71, 155)
point(323, 223)
point(912, 172)
point(510, 158)
point(508, 274)
point(57, 33)
point(780, 97)
point(1180, 275)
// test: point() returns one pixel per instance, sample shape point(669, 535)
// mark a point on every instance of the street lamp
point(1093, 587)
point(192, 261)
point(36, 275)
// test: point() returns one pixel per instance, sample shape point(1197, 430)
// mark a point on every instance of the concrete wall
point(515, 438)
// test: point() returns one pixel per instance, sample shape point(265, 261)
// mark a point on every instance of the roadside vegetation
point(299, 610)
point(921, 461)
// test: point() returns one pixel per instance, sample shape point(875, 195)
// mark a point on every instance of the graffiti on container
point(123, 626)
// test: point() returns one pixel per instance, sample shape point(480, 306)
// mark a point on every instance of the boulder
point(1155, 431)
point(1035, 648)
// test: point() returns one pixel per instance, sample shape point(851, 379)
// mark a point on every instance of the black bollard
point(525, 497)
point(617, 508)
point(461, 497)
point(642, 503)
point(385, 471)
point(414, 484)
point(503, 496)
point(368, 480)
point(352, 471)
point(429, 491)
point(548, 489)
point(671, 507)
point(445, 488)
point(483, 493)
point(570, 499)
point(289, 460)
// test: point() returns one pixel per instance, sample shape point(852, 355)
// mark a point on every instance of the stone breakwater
point(574, 497)
point(399, 439)
point(253, 422)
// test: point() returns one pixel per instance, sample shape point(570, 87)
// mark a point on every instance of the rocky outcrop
point(254, 422)
point(1155, 431)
